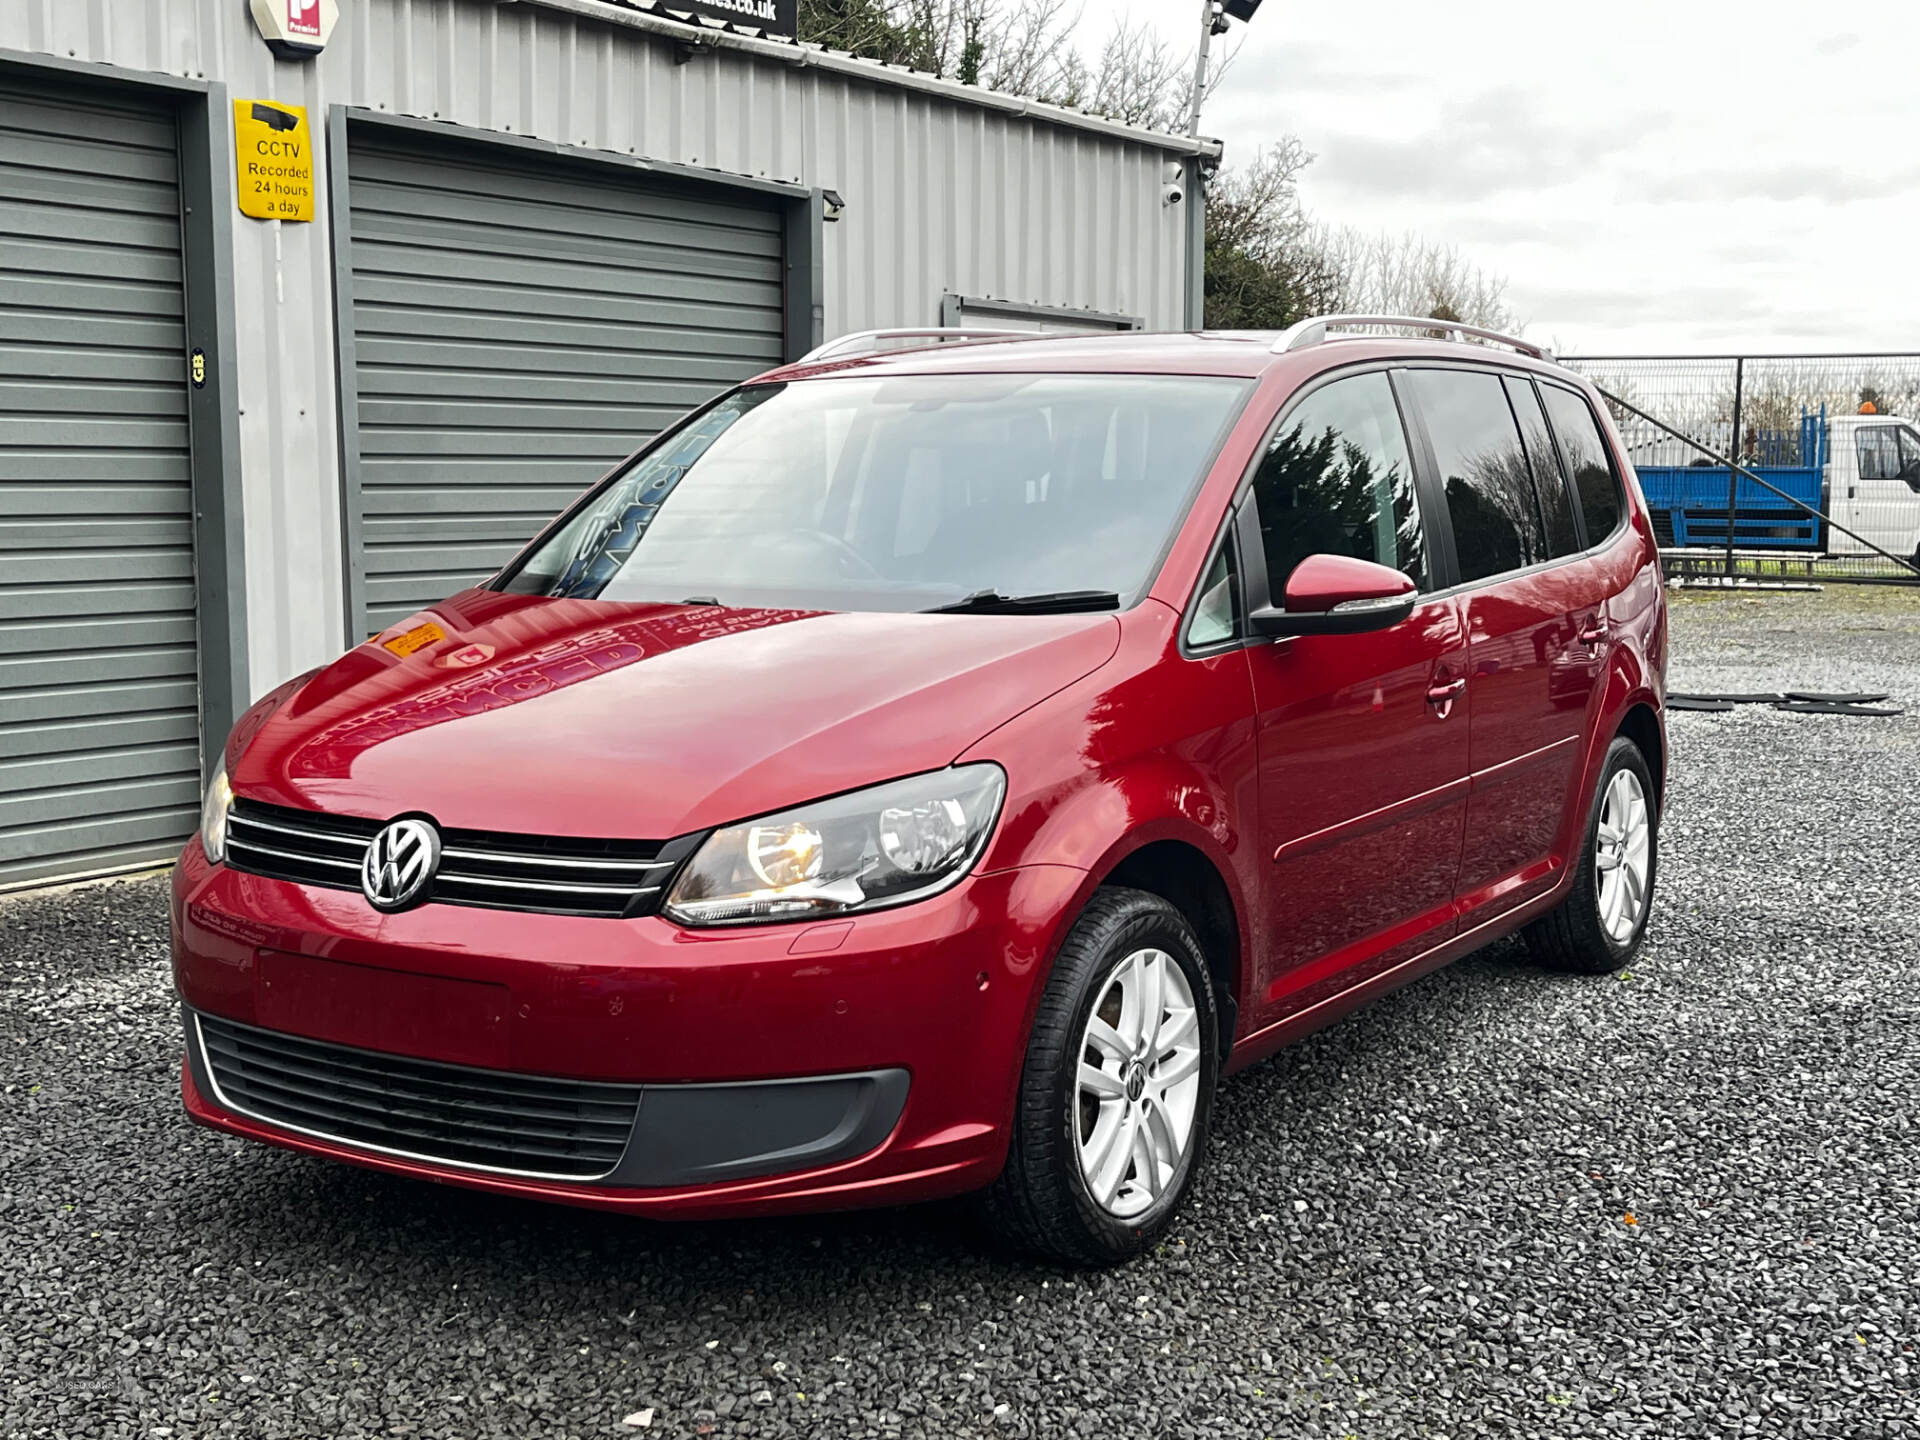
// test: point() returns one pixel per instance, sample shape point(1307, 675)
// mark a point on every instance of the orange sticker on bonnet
point(417, 638)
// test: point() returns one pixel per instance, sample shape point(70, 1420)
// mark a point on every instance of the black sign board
point(768, 17)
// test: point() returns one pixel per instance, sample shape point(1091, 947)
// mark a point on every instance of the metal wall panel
point(99, 719)
point(946, 191)
point(516, 330)
point(970, 312)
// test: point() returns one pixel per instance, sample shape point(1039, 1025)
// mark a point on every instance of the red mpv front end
point(926, 773)
point(615, 1058)
point(918, 1015)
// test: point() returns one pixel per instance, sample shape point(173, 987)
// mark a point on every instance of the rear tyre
point(1598, 928)
point(1117, 1090)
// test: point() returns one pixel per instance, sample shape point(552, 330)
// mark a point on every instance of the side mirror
point(1337, 595)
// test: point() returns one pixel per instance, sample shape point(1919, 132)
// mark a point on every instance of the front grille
point(529, 1124)
point(477, 867)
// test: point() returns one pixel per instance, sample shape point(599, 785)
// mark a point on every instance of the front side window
point(1589, 460)
point(899, 493)
point(1489, 487)
point(1910, 458)
point(1337, 479)
point(1879, 447)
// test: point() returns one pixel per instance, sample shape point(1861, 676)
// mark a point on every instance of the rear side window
point(1476, 447)
point(1337, 479)
point(1556, 500)
point(1588, 460)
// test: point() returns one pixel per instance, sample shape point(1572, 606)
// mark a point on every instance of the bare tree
point(1137, 78)
point(1381, 273)
point(1021, 47)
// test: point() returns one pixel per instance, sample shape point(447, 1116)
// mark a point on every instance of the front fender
point(1163, 751)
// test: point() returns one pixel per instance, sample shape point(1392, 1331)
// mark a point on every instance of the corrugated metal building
point(230, 447)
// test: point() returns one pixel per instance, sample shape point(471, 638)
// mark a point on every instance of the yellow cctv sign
point(274, 153)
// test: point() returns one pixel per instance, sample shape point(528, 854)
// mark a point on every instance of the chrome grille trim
point(389, 1104)
point(258, 848)
point(576, 887)
point(450, 852)
point(539, 873)
point(298, 832)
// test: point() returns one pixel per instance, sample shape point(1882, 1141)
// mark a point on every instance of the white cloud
point(1678, 176)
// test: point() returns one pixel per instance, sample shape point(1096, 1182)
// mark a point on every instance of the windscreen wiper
point(1051, 602)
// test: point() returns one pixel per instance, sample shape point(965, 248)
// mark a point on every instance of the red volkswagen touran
point(928, 770)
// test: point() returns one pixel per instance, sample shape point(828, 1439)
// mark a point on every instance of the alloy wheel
point(1139, 1083)
point(1622, 850)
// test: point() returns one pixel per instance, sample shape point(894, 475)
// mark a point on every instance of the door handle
point(1594, 633)
point(1442, 694)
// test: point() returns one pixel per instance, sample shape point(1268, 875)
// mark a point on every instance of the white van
point(1872, 482)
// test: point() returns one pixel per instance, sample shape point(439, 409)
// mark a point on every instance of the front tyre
point(1599, 926)
point(1117, 1090)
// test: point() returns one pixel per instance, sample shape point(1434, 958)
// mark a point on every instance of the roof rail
point(1314, 331)
point(866, 342)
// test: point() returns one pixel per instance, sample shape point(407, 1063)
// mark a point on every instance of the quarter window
point(1589, 460)
point(1556, 499)
point(1489, 489)
point(1337, 479)
point(1216, 612)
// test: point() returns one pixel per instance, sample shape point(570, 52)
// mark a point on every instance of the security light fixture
point(1214, 15)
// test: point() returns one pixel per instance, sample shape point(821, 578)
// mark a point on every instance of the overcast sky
point(1695, 175)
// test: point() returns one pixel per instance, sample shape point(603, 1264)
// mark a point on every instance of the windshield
point(905, 493)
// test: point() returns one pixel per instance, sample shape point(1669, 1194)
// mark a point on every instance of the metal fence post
point(1733, 449)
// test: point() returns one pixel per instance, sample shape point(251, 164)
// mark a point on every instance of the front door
point(1362, 738)
point(1881, 503)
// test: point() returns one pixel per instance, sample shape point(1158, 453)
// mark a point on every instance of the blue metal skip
point(1689, 502)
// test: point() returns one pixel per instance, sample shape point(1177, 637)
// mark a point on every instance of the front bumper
point(870, 1060)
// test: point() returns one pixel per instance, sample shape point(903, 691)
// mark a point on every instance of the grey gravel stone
point(1413, 1224)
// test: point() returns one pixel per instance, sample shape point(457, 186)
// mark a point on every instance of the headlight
point(882, 846)
point(213, 815)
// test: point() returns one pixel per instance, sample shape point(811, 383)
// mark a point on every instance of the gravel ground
point(1676, 1202)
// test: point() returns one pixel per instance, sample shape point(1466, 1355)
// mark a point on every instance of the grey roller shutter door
point(99, 732)
point(518, 328)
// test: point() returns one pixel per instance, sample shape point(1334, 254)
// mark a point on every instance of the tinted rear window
point(1476, 446)
point(1587, 458)
point(1556, 500)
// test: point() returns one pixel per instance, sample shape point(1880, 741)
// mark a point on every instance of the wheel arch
point(1641, 724)
point(1183, 875)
